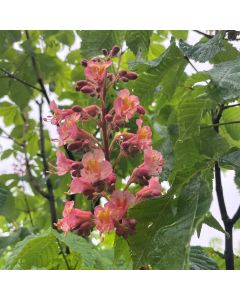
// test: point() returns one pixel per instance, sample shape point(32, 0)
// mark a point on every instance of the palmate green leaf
point(10, 113)
point(226, 76)
point(190, 111)
point(160, 75)
point(80, 246)
point(214, 149)
point(122, 252)
point(7, 38)
point(232, 159)
point(209, 220)
point(202, 52)
point(138, 41)
point(93, 41)
point(180, 34)
point(6, 154)
point(220, 260)
point(199, 260)
point(229, 115)
point(163, 233)
point(7, 205)
point(13, 238)
point(34, 252)
point(196, 78)
point(230, 53)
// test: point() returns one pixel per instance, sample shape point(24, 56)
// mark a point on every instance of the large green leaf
point(226, 76)
point(209, 220)
point(164, 230)
point(232, 114)
point(80, 246)
point(93, 41)
point(160, 75)
point(199, 260)
point(202, 52)
point(138, 41)
point(34, 252)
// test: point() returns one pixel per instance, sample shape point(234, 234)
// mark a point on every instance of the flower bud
point(80, 84)
point(131, 75)
point(115, 50)
point(77, 108)
point(87, 89)
point(84, 63)
point(122, 73)
point(141, 110)
point(132, 223)
point(92, 110)
point(108, 118)
point(104, 52)
point(110, 76)
point(75, 146)
point(125, 79)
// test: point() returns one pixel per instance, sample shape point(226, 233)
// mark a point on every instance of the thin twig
point(220, 124)
point(230, 106)
point(37, 72)
point(209, 36)
point(10, 75)
point(51, 197)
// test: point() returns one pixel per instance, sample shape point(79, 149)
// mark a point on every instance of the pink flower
point(139, 141)
point(80, 185)
point(125, 105)
point(73, 218)
point(64, 165)
point(144, 135)
point(96, 71)
point(152, 190)
point(59, 114)
point(152, 166)
point(95, 167)
point(103, 219)
point(69, 131)
point(119, 204)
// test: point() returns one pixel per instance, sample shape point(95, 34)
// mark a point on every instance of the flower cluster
point(93, 174)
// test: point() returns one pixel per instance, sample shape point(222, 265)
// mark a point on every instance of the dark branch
point(51, 197)
point(236, 216)
point(232, 105)
point(36, 70)
point(209, 36)
point(10, 75)
point(216, 125)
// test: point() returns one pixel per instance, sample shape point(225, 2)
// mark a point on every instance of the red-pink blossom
point(103, 219)
point(152, 166)
point(125, 105)
point(64, 165)
point(139, 141)
point(80, 185)
point(119, 203)
point(95, 167)
point(96, 71)
point(73, 218)
point(153, 189)
point(59, 114)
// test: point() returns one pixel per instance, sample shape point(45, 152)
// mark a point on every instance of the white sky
point(232, 196)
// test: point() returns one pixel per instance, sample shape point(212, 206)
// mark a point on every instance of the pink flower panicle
point(93, 173)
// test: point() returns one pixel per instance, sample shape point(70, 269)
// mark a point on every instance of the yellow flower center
point(93, 166)
point(104, 215)
point(143, 133)
point(126, 103)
